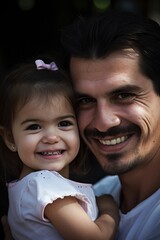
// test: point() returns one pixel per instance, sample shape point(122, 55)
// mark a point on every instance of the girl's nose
point(51, 139)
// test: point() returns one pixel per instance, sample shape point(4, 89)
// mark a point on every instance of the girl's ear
point(8, 138)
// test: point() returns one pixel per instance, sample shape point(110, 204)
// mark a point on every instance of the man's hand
point(106, 203)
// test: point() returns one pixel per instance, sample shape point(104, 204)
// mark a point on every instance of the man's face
point(119, 111)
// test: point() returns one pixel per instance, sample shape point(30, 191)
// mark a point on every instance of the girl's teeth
point(51, 153)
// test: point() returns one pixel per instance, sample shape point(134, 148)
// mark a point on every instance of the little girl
point(41, 138)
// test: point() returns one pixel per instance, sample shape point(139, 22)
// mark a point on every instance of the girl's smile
point(46, 137)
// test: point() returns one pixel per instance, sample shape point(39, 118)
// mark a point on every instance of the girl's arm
point(72, 222)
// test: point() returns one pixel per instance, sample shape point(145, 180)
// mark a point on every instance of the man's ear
point(8, 138)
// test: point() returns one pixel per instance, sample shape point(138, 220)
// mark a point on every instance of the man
point(115, 67)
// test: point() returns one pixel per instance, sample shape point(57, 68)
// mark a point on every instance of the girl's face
point(46, 134)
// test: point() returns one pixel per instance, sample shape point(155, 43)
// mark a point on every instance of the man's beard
point(115, 167)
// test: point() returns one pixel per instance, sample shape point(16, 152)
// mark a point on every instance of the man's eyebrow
point(79, 95)
point(126, 88)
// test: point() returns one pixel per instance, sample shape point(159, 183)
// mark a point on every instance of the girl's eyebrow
point(29, 120)
point(66, 116)
point(41, 120)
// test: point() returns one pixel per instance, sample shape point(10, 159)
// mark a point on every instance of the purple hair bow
point(41, 65)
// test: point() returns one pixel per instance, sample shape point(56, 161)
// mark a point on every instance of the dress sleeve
point(44, 187)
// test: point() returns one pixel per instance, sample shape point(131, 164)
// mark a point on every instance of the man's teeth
point(113, 141)
point(51, 153)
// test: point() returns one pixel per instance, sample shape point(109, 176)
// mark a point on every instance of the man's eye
point(124, 95)
point(85, 101)
point(33, 127)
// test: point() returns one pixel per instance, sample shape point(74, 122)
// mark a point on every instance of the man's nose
point(105, 117)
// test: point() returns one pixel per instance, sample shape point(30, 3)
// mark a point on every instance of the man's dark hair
point(103, 34)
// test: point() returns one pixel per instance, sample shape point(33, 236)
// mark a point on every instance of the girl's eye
point(65, 124)
point(33, 127)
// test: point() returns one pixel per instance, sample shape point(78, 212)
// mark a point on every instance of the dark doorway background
point(31, 27)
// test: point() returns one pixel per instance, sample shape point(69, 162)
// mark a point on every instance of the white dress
point(29, 196)
point(143, 221)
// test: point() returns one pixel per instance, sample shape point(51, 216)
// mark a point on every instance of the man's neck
point(137, 186)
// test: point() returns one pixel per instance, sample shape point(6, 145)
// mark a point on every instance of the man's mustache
point(114, 131)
